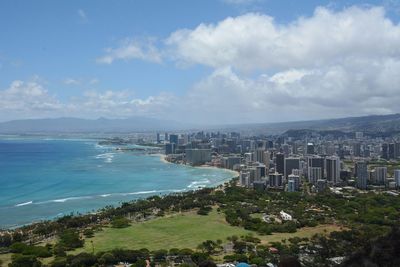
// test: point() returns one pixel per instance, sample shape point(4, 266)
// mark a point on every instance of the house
point(285, 216)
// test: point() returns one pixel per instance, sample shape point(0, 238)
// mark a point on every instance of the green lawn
point(185, 230)
point(5, 258)
point(302, 233)
point(177, 231)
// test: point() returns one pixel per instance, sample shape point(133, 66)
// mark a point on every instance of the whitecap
point(24, 204)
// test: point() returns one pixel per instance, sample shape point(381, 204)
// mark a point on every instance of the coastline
point(234, 173)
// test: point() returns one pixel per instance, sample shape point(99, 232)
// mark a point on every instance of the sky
point(211, 61)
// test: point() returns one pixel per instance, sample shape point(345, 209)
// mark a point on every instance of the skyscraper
point(385, 151)
point(397, 178)
point(290, 164)
point(158, 138)
point(332, 165)
point(173, 139)
point(259, 155)
point(315, 161)
point(310, 149)
point(280, 163)
point(380, 175)
point(314, 174)
point(362, 174)
point(295, 179)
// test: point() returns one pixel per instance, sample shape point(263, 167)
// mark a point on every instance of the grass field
point(5, 258)
point(186, 230)
point(182, 231)
point(177, 231)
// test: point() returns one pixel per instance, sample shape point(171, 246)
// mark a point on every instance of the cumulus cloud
point(70, 81)
point(330, 64)
point(257, 41)
point(335, 91)
point(22, 98)
point(30, 99)
point(132, 49)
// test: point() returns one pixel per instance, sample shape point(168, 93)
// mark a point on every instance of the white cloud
point(21, 99)
point(331, 64)
point(255, 41)
point(336, 91)
point(70, 81)
point(31, 100)
point(132, 49)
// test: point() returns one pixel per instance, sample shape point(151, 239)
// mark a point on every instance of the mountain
point(76, 125)
point(372, 124)
point(368, 124)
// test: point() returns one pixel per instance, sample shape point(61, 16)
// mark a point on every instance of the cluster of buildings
point(288, 162)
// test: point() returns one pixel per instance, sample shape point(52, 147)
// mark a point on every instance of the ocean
point(42, 179)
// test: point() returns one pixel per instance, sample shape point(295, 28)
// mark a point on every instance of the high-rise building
point(397, 178)
point(357, 149)
point(245, 178)
point(296, 182)
point(259, 155)
point(158, 138)
point(362, 174)
point(291, 186)
point(314, 174)
point(260, 172)
point(321, 185)
point(310, 149)
point(380, 175)
point(315, 161)
point(231, 162)
point(198, 156)
point(332, 165)
point(391, 151)
point(280, 163)
point(266, 160)
point(397, 150)
point(169, 148)
point(385, 151)
point(166, 137)
point(286, 150)
point(275, 180)
point(291, 164)
point(173, 139)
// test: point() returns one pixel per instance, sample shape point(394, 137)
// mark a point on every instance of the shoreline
point(234, 173)
point(231, 175)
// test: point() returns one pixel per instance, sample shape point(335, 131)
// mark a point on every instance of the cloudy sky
point(213, 61)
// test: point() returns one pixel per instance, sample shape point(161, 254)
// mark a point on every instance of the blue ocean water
point(42, 179)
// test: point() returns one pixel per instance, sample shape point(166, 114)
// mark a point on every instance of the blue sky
point(121, 59)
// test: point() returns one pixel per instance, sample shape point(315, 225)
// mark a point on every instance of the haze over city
point(222, 61)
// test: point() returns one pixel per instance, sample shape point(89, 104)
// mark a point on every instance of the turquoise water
point(42, 179)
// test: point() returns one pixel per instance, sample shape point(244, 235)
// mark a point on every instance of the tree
point(24, 261)
point(70, 239)
point(120, 222)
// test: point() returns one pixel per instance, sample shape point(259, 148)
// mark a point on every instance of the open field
point(5, 258)
point(176, 231)
point(185, 230)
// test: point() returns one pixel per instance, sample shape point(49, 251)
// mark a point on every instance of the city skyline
point(230, 61)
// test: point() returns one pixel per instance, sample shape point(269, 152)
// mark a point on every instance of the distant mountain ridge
point(368, 124)
point(77, 125)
